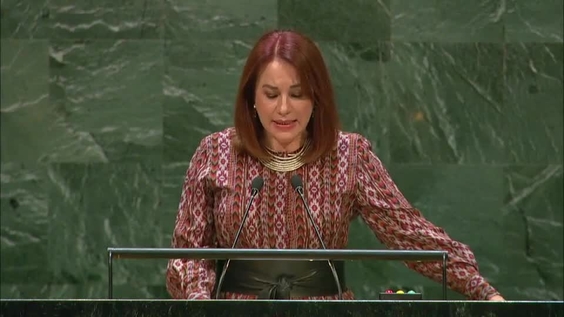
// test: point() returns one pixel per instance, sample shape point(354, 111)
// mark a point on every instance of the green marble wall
point(103, 102)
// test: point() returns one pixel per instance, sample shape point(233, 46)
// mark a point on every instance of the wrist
point(478, 288)
point(496, 297)
point(198, 296)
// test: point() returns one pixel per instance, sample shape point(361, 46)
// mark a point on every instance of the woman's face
point(282, 107)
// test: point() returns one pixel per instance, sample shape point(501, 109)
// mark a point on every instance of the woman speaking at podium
point(286, 177)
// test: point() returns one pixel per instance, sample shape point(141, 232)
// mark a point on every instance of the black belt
point(282, 279)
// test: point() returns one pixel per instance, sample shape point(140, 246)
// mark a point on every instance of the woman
point(286, 124)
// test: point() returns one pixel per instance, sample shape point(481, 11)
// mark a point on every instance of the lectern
point(277, 254)
point(296, 308)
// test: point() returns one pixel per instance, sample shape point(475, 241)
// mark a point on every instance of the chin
point(285, 138)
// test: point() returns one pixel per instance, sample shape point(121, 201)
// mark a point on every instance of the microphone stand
point(255, 191)
point(297, 184)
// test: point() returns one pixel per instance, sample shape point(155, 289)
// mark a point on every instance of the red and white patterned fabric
point(350, 182)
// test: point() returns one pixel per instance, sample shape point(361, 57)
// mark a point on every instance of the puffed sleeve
point(400, 226)
point(193, 279)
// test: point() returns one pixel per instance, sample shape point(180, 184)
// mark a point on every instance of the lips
point(284, 122)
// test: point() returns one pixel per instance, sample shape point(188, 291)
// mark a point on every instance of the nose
point(284, 107)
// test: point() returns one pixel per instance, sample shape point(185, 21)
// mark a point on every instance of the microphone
point(256, 186)
point(297, 184)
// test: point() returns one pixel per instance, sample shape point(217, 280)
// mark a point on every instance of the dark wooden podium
point(216, 308)
point(231, 308)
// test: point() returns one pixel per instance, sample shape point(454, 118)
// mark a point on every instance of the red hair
point(302, 53)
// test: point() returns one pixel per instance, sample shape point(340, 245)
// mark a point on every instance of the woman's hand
point(497, 298)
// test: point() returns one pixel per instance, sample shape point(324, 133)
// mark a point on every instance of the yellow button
point(399, 292)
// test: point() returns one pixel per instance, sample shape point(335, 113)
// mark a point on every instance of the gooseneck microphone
point(298, 186)
point(256, 186)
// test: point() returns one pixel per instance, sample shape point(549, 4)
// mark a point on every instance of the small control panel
point(400, 295)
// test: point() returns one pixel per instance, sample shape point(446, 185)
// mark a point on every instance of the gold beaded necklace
point(287, 163)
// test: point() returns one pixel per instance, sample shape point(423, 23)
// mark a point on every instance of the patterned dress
point(348, 183)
